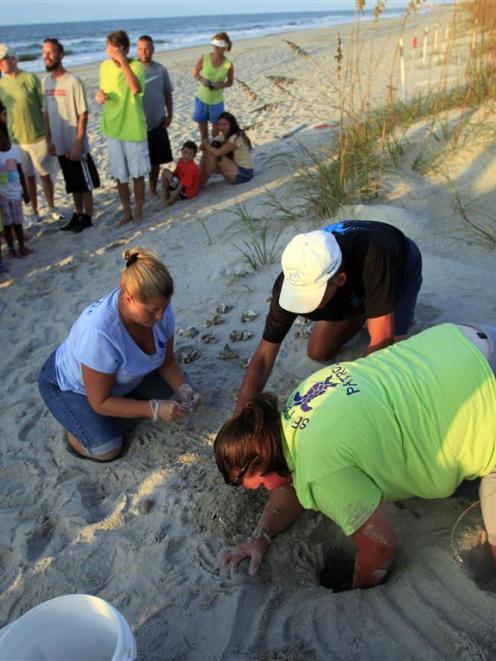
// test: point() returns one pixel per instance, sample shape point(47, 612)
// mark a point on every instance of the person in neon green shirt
point(215, 72)
point(122, 83)
point(414, 419)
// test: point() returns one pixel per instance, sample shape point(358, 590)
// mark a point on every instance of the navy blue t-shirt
point(374, 259)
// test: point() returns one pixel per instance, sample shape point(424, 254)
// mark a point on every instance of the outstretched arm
point(376, 545)
point(281, 509)
point(257, 373)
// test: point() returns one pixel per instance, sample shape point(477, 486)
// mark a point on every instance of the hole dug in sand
point(470, 549)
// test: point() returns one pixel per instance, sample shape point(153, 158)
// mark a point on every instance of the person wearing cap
point(21, 93)
point(158, 106)
point(412, 420)
point(215, 72)
point(341, 277)
point(66, 118)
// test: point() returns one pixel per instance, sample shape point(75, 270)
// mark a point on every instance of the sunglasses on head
point(239, 478)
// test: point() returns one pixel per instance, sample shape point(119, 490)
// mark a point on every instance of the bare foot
point(24, 252)
point(138, 220)
point(124, 221)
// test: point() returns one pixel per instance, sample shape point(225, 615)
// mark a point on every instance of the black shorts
point(173, 184)
point(79, 176)
point(159, 146)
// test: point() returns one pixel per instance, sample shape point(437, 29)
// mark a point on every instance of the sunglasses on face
point(239, 478)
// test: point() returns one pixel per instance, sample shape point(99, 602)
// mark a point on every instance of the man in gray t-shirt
point(158, 108)
point(66, 117)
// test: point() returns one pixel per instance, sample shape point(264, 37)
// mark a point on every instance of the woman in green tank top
point(215, 72)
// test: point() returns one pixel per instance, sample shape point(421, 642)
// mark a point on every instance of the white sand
point(144, 532)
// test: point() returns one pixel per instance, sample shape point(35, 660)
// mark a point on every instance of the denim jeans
point(98, 434)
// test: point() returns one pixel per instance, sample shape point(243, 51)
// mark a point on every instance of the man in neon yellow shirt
point(414, 419)
point(122, 84)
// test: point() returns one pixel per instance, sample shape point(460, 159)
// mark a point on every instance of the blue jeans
point(405, 308)
point(99, 434)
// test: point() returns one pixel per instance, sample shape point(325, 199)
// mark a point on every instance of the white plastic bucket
point(75, 627)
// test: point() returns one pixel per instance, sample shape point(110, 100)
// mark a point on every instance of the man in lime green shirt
point(21, 94)
point(122, 84)
point(414, 419)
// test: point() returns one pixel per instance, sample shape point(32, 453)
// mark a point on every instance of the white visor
point(220, 43)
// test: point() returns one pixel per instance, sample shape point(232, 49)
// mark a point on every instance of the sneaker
point(83, 222)
point(31, 220)
point(72, 223)
point(55, 214)
point(13, 253)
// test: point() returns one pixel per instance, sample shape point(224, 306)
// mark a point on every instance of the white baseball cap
point(6, 51)
point(308, 262)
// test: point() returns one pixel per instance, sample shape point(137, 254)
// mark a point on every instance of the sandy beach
point(144, 532)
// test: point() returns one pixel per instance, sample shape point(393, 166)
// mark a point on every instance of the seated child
point(12, 185)
point(184, 182)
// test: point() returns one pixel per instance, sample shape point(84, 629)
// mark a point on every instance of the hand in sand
point(187, 396)
point(171, 411)
point(252, 548)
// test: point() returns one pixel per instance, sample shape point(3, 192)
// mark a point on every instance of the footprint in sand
point(425, 312)
point(39, 540)
point(92, 495)
point(29, 426)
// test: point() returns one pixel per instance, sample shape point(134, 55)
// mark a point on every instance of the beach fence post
point(424, 46)
point(474, 35)
point(402, 69)
point(434, 47)
point(446, 32)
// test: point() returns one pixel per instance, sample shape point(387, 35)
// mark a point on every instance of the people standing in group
point(122, 84)
point(229, 154)
point(66, 118)
point(12, 188)
point(20, 92)
point(158, 105)
point(215, 72)
point(342, 276)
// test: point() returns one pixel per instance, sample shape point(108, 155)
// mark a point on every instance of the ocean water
point(85, 42)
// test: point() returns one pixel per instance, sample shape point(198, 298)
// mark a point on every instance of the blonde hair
point(145, 277)
point(225, 37)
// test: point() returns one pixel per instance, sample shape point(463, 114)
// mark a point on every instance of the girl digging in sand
point(12, 186)
point(414, 419)
point(229, 154)
point(215, 72)
point(118, 362)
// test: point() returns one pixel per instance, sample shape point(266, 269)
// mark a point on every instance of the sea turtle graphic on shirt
point(319, 388)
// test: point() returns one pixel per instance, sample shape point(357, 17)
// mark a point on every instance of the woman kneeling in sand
point(414, 419)
point(118, 362)
point(229, 154)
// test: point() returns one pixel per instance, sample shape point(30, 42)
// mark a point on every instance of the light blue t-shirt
point(99, 340)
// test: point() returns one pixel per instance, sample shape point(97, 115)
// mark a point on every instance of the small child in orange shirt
point(184, 182)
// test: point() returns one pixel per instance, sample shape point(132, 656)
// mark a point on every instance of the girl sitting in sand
point(215, 72)
point(118, 362)
point(229, 154)
point(414, 419)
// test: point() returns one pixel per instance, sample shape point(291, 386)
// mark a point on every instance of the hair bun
point(131, 256)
